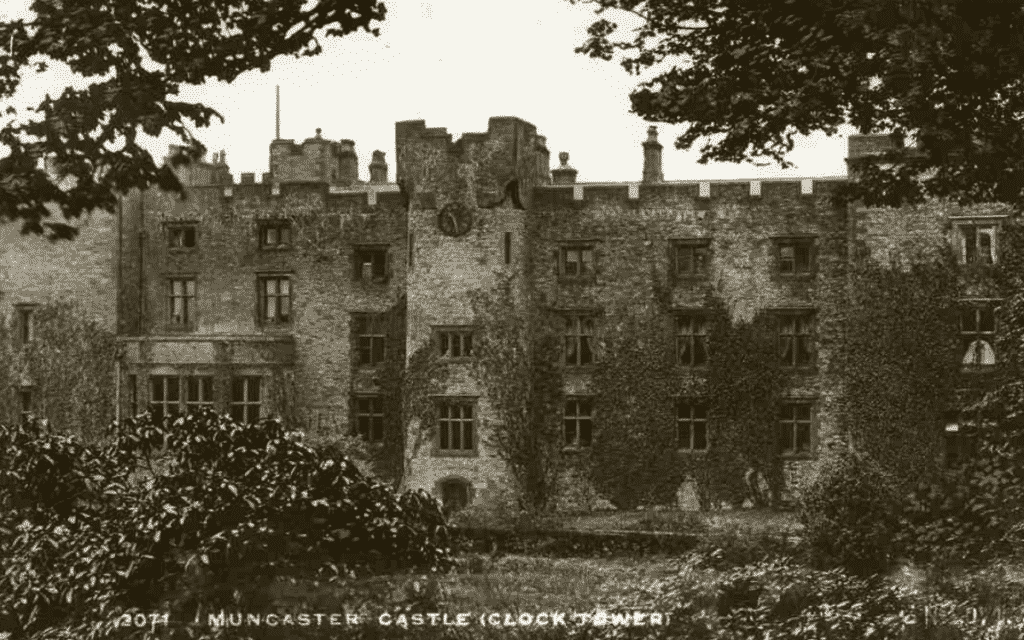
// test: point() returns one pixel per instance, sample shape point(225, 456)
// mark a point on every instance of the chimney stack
point(652, 157)
point(378, 168)
point(564, 174)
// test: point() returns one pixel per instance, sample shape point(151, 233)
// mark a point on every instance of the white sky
point(454, 63)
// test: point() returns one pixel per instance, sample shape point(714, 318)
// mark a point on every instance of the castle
point(295, 295)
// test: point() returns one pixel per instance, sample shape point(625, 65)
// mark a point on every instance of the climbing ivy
point(516, 357)
point(898, 360)
point(70, 365)
point(633, 456)
point(744, 383)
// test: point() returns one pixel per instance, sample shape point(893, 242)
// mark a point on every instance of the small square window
point(795, 256)
point(978, 244)
point(456, 427)
point(455, 343)
point(181, 236)
point(371, 264)
point(691, 425)
point(796, 338)
point(578, 421)
point(369, 331)
point(369, 417)
point(275, 235)
point(691, 258)
point(275, 299)
point(795, 428)
point(978, 335)
point(576, 262)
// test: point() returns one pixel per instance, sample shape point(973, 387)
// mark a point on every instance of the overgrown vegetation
point(633, 461)
point(189, 517)
point(851, 513)
point(67, 368)
point(516, 358)
point(899, 361)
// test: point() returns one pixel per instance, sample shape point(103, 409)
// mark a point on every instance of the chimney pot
point(564, 174)
point(652, 157)
point(378, 168)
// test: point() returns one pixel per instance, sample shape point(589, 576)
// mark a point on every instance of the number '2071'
point(139, 620)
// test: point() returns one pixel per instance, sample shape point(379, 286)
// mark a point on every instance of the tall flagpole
point(277, 125)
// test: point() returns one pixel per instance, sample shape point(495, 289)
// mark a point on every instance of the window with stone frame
point(691, 425)
point(182, 302)
point(454, 342)
point(165, 397)
point(960, 439)
point(456, 494)
point(578, 421)
point(796, 427)
point(456, 426)
point(579, 339)
point(181, 236)
point(246, 399)
point(370, 264)
point(691, 258)
point(795, 256)
point(275, 299)
point(369, 417)
point(978, 334)
point(978, 243)
point(26, 402)
point(576, 262)
point(26, 323)
point(796, 338)
point(369, 331)
point(198, 393)
point(692, 338)
point(275, 234)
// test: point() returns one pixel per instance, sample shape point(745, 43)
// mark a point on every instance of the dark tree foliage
point(186, 517)
point(751, 74)
point(142, 53)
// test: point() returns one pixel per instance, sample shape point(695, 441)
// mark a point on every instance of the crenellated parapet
point(315, 160)
point(478, 169)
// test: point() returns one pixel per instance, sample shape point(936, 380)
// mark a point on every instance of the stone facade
point(284, 297)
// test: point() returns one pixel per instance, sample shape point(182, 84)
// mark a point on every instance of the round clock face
point(454, 219)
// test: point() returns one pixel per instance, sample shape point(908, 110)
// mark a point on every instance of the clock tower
point(468, 207)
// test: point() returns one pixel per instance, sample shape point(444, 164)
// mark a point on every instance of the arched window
point(455, 494)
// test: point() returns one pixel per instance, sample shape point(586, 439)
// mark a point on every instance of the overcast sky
point(454, 63)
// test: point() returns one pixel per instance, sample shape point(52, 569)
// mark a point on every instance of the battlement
point(509, 152)
point(204, 172)
point(315, 160)
point(701, 192)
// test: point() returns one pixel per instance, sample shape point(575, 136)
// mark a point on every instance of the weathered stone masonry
point(460, 215)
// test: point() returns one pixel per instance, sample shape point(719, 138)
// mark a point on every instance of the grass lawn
point(504, 584)
point(753, 520)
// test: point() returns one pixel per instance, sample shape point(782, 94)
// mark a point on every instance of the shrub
point(851, 513)
point(199, 514)
point(976, 510)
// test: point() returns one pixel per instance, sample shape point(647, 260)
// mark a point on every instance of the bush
point(976, 510)
point(200, 514)
point(851, 514)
